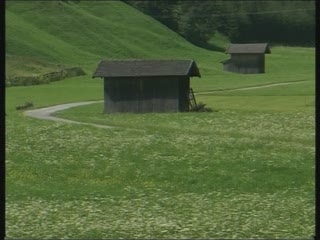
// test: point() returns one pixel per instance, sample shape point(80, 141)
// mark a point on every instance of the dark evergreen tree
point(278, 22)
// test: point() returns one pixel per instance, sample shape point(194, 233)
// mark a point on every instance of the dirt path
point(248, 88)
point(45, 113)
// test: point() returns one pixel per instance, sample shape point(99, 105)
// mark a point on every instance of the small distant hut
point(246, 58)
point(142, 86)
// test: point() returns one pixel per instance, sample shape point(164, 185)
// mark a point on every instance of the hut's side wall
point(184, 86)
point(246, 63)
point(140, 95)
point(230, 67)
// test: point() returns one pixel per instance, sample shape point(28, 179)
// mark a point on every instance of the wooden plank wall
point(184, 87)
point(140, 95)
point(246, 63)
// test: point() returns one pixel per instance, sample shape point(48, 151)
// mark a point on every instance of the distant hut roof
point(146, 68)
point(249, 48)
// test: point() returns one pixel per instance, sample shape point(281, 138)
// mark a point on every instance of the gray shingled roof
point(139, 68)
point(249, 48)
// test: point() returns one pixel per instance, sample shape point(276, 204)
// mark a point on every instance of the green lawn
point(245, 170)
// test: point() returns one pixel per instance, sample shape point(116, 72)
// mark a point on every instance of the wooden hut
point(246, 58)
point(142, 86)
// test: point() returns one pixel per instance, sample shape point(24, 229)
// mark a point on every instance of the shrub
point(24, 106)
point(200, 107)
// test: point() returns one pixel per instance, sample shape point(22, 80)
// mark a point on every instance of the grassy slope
point(232, 173)
point(83, 33)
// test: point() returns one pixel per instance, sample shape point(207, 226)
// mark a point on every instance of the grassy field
point(245, 170)
point(228, 174)
point(238, 172)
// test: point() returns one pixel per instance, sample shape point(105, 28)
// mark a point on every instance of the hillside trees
point(278, 22)
point(163, 10)
point(283, 22)
point(195, 23)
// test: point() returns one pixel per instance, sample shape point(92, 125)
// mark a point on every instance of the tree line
point(276, 22)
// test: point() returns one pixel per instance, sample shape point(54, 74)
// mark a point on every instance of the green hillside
point(82, 33)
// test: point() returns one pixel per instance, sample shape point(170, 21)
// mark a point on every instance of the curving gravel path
point(45, 113)
point(248, 88)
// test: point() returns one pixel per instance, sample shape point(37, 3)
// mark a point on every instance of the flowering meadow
point(223, 174)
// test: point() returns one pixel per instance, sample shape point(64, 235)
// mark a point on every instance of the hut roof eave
point(147, 68)
point(248, 48)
